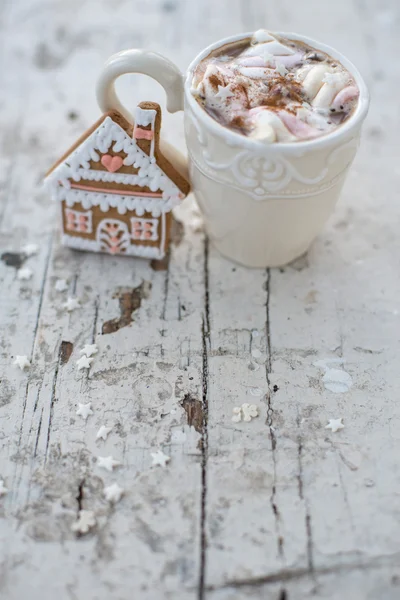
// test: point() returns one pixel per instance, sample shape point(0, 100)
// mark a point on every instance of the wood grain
point(278, 508)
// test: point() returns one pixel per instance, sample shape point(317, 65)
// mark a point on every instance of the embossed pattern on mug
point(273, 89)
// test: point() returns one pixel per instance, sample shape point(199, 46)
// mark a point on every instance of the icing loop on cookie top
point(274, 89)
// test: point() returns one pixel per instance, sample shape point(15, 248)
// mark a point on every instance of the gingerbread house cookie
point(115, 188)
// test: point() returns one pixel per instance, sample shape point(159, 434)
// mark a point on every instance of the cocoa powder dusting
point(256, 86)
point(242, 89)
point(215, 81)
point(280, 92)
point(238, 122)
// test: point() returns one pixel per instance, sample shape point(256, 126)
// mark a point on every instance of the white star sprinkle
point(107, 462)
point(71, 304)
point(113, 493)
point(61, 285)
point(30, 249)
point(86, 520)
point(224, 92)
point(267, 56)
point(89, 349)
point(247, 412)
point(103, 432)
point(84, 410)
point(159, 458)
point(24, 274)
point(22, 362)
point(280, 67)
point(84, 362)
point(3, 489)
point(335, 424)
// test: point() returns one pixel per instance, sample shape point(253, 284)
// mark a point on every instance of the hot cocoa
point(274, 89)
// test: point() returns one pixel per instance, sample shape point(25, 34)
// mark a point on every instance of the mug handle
point(139, 61)
point(159, 68)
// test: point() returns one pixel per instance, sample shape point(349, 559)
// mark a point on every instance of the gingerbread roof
point(140, 166)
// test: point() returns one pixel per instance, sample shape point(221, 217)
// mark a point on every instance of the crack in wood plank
point(206, 333)
point(38, 434)
point(270, 415)
point(52, 401)
point(16, 477)
point(80, 495)
point(308, 524)
point(166, 289)
point(41, 296)
point(285, 575)
point(66, 349)
point(95, 319)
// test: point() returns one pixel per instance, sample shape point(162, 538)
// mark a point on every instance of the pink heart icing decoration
point(111, 163)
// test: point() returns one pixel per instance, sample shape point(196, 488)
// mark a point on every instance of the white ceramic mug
point(262, 204)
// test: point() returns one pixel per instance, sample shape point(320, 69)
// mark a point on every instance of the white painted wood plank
point(44, 495)
point(261, 505)
point(233, 509)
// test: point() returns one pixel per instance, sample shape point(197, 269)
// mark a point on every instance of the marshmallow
point(344, 96)
point(290, 61)
point(302, 72)
point(330, 89)
point(275, 48)
point(274, 90)
point(278, 49)
point(313, 80)
point(298, 128)
point(260, 36)
point(319, 121)
point(266, 121)
point(253, 72)
point(252, 61)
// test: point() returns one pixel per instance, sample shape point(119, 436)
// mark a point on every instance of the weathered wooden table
point(276, 508)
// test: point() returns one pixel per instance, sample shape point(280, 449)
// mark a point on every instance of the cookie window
point(144, 229)
point(78, 221)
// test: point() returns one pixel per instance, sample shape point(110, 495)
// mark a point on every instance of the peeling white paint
point(256, 392)
point(337, 381)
